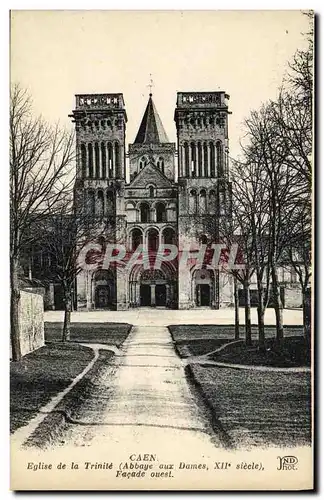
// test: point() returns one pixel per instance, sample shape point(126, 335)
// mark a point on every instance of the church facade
point(176, 194)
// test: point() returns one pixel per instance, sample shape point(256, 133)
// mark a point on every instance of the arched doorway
point(103, 289)
point(203, 288)
point(153, 287)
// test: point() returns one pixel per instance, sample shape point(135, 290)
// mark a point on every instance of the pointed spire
point(151, 130)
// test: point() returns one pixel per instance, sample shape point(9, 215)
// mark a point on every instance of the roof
point(151, 130)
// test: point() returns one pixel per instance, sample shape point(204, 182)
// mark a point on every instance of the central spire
point(151, 130)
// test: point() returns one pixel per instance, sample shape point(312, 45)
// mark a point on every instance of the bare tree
point(40, 174)
point(63, 236)
point(251, 210)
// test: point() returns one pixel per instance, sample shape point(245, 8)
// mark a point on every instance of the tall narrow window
point(145, 212)
point(202, 201)
point(151, 191)
point(104, 160)
point(169, 237)
point(160, 164)
point(220, 162)
point(90, 154)
point(193, 201)
point(186, 159)
point(110, 207)
point(212, 201)
point(142, 162)
point(199, 160)
point(153, 239)
point(110, 160)
point(84, 160)
point(97, 161)
point(137, 238)
point(205, 148)
point(100, 203)
point(193, 165)
point(90, 203)
point(160, 212)
point(117, 159)
point(212, 159)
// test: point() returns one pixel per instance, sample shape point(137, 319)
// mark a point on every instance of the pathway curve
point(142, 398)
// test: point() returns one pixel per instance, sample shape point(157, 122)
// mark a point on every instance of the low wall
point(31, 320)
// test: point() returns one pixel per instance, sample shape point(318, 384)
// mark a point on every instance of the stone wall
point(31, 319)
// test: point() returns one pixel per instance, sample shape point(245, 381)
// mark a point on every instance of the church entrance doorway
point(145, 293)
point(102, 298)
point(160, 295)
point(204, 295)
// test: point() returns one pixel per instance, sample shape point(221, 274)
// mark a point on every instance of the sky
point(56, 54)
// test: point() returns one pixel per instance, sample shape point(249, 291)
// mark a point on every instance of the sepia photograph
point(161, 250)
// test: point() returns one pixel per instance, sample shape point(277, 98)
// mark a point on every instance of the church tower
point(204, 192)
point(151, 145)
point(100, 122)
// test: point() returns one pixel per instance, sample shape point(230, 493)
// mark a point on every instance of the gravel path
point(143, 397)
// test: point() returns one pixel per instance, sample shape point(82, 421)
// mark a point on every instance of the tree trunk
point(237, 310)
point(307, 317)
point(67, 316)
point(277, 305)
point(14, 310)
point(261, 328)
point(248, 334)
point(261, 311)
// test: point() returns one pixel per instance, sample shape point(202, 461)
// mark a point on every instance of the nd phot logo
point(288, 462)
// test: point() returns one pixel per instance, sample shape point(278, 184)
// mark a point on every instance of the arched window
point(169, 237)
point(145, 212)
point(160, 213)
point(205, 148)
point(110, 207)
point(160, 164)
point(110, 160)
point(212, 159)
point(220, 163)
point(203, 201)
point(137, 238)
point(117, 158)
point(90, 202)
point(193, 165)
point(212, 201)
point(104, 160)
point(84, 160)
point(186, 159)
point(193, 201)
point(199, 160)
point(142, 162)
point(153, 239)
point(151, 191)
point(90, 153)
point(100, 203)
point(97, 161)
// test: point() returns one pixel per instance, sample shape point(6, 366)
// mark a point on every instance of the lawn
point(195, 340)
point(258, 409)
point(101, 333)
point(41, 375)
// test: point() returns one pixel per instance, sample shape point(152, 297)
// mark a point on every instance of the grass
point(40, 376)
point(44, 373)
point(56, 424)
point(258, 409)
point(101, 333)
point(195, 340)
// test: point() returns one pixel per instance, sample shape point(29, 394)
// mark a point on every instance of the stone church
point(176, 193)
